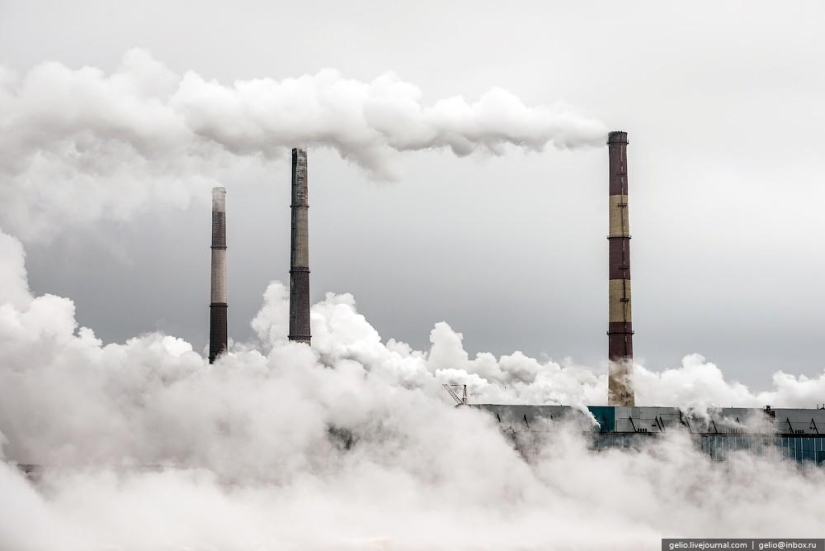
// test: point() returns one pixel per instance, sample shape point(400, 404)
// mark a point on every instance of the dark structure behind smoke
point(797, 434)
point(299, 252)
point(218, 332)
point(620, 328)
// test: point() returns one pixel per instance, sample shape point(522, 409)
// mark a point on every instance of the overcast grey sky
point(722, 102)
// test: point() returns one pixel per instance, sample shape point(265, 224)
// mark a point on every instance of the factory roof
point(653, 420)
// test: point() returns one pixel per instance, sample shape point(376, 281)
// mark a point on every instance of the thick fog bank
point(350, 444)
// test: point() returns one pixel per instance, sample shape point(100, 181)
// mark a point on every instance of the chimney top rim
point(617, 136)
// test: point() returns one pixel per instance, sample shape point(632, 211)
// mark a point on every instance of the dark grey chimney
point(299, 255)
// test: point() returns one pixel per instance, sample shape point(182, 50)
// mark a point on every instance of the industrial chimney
point(299, 254)
point(620, 328)
point(217, 307)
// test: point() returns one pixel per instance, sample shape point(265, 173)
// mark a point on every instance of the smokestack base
point(299, 330)
point(620, 383)
point(218, 330)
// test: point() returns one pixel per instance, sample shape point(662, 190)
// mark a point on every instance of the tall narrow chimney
point(620, 329)
point(299, 254)
point(217, 307)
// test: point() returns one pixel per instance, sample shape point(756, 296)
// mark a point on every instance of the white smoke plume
point(79, 144)
point(350, 444)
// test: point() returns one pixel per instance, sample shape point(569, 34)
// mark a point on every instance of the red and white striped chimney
point(620, 328)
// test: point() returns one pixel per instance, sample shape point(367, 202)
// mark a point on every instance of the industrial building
point(795, 432)
point(799, 434)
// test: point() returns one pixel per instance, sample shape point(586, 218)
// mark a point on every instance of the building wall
point(795, 433)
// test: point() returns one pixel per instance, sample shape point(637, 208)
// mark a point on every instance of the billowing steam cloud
point(145, 132)
point(349, 445)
